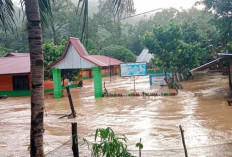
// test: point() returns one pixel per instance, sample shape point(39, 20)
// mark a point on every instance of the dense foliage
point(175, 48)
point(222, 10)
point(118, 52)
point(52, 53)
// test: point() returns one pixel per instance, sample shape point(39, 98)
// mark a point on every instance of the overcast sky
point(147, 5)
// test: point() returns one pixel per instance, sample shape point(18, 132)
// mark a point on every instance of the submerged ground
point(201, 108)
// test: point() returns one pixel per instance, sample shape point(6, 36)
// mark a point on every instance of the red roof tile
point(15, 65)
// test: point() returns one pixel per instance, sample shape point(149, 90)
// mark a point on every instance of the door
point(21, 82)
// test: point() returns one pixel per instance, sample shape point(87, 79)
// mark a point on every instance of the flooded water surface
point(201, 108)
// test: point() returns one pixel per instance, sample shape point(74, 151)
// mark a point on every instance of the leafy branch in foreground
point(107, 144)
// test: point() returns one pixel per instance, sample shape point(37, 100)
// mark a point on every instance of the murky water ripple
point(201, 108)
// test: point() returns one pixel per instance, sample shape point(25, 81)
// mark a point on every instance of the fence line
point(87, 149)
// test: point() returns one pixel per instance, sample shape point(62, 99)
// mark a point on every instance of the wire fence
point(217, 150)
point(65, 149)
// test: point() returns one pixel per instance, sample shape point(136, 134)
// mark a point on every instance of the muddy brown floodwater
point(201, 108)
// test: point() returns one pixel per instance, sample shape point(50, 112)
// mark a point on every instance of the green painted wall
point(16, 93)
point(19, 93)
point(56, 74)
point(97, 82)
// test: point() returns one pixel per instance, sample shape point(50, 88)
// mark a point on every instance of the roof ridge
point(74, 38)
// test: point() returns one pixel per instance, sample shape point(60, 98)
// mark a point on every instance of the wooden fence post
point(73, 114)
point(183, 141)
point(75, 148)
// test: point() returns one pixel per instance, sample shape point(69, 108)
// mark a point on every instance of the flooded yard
point(201, 108)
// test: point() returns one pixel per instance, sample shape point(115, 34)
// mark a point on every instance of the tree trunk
point(55, 40)
point(182, 77)
point(177, 77)
point(37, 71)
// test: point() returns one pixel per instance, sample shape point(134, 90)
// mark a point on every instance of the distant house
point(145, 56)
point(15, 72)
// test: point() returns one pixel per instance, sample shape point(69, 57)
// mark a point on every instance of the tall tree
point(223, 17)
point(163, 41)
point(58, 21)
point(175, 48)
point(37, 72)
point(118, 9)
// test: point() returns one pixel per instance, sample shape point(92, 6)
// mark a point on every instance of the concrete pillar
point(56, 74)
point(97, 76)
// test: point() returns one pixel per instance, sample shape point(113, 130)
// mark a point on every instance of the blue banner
point(133, 69)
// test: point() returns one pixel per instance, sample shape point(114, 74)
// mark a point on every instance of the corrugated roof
point(103, 61)
point(144, 56)
point(224, 54)
point(78, 46)
point(207, 65)
point(15, 65)
point(98, 60)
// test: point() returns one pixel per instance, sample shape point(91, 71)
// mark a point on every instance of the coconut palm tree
point(35, 9)
point(37, 69)
point(37, 72)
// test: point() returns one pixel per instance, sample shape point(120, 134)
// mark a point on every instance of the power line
point(140, 14)
point(143, 13)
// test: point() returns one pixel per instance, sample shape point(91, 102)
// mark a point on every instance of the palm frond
point(119, 7)
point(44, 9)
point(6, 13)
point(123, 6)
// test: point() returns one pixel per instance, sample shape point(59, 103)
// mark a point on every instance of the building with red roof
point(75, 56)
point(15, 70)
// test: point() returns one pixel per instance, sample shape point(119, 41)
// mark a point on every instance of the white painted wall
point(72, 60)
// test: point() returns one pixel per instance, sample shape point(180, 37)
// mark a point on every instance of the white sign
point(158, 79)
